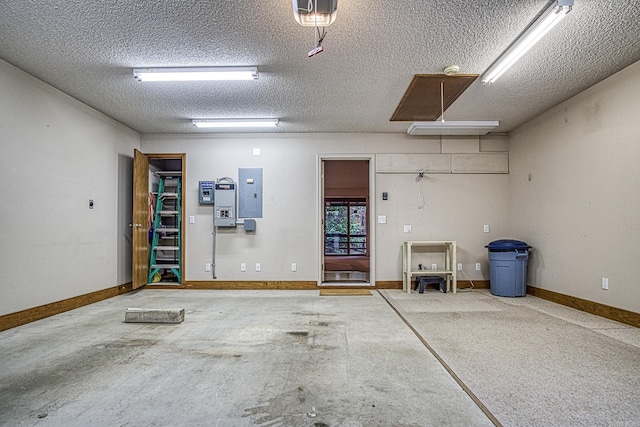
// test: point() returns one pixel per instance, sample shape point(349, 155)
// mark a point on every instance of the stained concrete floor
point(241, 358)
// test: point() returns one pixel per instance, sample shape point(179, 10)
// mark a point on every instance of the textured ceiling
point(87, 48)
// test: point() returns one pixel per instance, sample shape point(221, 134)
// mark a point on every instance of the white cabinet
point(448, 247)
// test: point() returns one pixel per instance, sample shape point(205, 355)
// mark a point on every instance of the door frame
point(370, 214)
point(140, 240)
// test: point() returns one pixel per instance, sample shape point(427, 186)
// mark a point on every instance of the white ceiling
point(88, 49)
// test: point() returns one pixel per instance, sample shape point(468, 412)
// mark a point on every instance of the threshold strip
point(457, 379)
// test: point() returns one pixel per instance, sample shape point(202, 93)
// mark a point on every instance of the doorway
point(346, 226)
point(158, 228)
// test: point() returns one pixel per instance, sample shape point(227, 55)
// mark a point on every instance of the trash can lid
point(507, 245)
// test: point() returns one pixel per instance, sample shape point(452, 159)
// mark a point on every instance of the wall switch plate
point(207, 267)
point(407, 229)
point(192, 219)
point(382, 219)
point(486, 228)
point(256, 151)
point(605, 283)
point(478, 266)
point(257, 266)
point(294, 266)
point(459, 266)
point(434, 266)
point(243, 267)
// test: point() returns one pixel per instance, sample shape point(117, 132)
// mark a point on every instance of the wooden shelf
point(449, 272)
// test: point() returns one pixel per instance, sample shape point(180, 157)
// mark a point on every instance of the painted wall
point(575, 185)
point(56, 154)
point(456, 205)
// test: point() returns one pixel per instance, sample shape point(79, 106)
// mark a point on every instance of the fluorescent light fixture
point(541, 26)
point(182, 74)
point(477, 127)
point(235, 123)
point(321, 14)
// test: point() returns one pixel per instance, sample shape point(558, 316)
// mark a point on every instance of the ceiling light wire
point(318, 37)
point(420, 178)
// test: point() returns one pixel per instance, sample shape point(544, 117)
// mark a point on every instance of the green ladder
point(166, 245)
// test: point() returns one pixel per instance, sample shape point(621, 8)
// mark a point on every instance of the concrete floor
point(241, 358)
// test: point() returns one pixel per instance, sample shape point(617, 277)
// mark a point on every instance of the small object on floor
point(154, 315)
point(436, 281)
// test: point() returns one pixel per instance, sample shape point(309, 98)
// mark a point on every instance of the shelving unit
point(166, 243)
point(449, 272)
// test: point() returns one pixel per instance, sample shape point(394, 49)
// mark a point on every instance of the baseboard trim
point(477, 284)
point(613, 313)
point(245, 285)
point(29, 315)
point(388, 284)
point(272, 285)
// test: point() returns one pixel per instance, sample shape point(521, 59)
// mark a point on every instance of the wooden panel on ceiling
point(421, 101)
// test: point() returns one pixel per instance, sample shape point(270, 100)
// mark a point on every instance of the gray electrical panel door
point(225, 204)
point(250, 193)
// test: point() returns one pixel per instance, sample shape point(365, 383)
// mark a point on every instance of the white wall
point(575, 183)
point(56, 154)
point(457, 205)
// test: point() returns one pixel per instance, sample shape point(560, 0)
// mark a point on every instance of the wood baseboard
point(282, 285)
point(613, 313)
point(243, 285)
point(29, 315)
point(477, 284)
point(388, 284)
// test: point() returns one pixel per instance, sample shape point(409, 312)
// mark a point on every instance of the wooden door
point(140, 218)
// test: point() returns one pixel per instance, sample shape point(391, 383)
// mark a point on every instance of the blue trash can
point(508, 267)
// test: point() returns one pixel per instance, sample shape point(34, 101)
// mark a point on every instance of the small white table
point(449, 271)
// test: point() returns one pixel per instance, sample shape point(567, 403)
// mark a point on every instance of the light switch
point(192, 219)
point(382, 219)
point(407, 229)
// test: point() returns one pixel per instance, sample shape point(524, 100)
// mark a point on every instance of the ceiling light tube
point(477, 127)
point(549, 18)
point(195, 74)
point(235, 123)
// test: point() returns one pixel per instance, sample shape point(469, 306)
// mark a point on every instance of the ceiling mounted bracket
point(315, 13)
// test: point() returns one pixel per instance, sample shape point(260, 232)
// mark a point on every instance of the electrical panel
point(250, 193)
point(225, 204)
point(205, 192)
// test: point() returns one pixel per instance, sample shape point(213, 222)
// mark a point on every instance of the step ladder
point(166, 243)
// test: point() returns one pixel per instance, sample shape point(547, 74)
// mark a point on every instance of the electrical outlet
point(478, 266)
point(486, 228)
point(459, 266)
point(207, 267)
point(605, 283)
point(243, 266)
point(294, 266)
point(257, 266)
point(434, 266)
point(407, 229)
